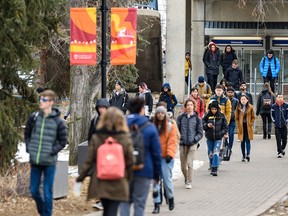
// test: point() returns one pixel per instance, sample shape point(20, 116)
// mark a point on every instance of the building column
point(175, 53)
point(198, 33)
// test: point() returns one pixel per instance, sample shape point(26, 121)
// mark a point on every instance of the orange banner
point(83, 36)
point(123, 36)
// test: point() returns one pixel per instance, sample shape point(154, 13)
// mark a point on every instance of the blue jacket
point(279, 115)
point(264, 66)
point(168, 97)
point(152, 166)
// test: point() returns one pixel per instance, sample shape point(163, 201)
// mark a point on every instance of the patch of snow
point(177, 173)
point(21, 154)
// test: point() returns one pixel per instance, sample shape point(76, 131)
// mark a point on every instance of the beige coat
point(116, 189)
point(250, 118)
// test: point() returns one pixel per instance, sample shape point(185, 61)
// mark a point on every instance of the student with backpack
point(279, 114)
point(119, 97)
point(168, 97)
point(146, 94)
point(45, 135)
point(215, 127)
point(269, 68)
point(112, 149)
point(142, 178)
point(168, 140)
point(264, 104)
point(204, 89)
point(227, 57)
point(200, 108)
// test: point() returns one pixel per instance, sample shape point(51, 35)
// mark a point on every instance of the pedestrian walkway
point(241, 188)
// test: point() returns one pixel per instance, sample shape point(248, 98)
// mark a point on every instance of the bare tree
point(262, 8)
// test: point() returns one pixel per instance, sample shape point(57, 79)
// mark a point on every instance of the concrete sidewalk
point(241, 188)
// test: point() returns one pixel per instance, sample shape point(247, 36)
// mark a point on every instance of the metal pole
point(104, 57)
point(189, 83)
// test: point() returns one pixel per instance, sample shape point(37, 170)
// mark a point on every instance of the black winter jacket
point(260, 108)
point(234, 104)
point(191, 129)
point(234, 76)
point(227, 58)
point(279, 115)
point(212, 62)
point(119, 100)
point(45, 137)
point(220, 125)
point(102, 102)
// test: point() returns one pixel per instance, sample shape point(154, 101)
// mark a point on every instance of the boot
point(171, 204)
point(214, 171)
point(264, 136)
point(156, 208)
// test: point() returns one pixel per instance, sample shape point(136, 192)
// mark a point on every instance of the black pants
point(271, 80)
point(212, 81)
point(266, 118)
point(110, 207)
point(281, 135)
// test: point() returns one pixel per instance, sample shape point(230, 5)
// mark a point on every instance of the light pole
point(104, 57)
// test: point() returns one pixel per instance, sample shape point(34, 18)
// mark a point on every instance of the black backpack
point(266, 100)
point(138, 143)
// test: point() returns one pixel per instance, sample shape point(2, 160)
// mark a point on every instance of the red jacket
point(200, 109)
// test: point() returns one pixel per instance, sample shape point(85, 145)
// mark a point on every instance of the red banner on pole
point(123, 36)
point(83, 36)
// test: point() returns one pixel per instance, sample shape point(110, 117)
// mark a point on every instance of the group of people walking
point(212, 109)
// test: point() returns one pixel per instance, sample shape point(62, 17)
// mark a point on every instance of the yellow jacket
point(187, 66)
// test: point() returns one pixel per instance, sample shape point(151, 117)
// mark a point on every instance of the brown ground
point(25, 206)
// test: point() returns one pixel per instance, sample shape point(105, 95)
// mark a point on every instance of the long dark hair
point(163, 124)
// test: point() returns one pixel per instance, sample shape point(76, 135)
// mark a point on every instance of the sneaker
point(188, 186)
point(198, 145)
point(283, 153)
point(243, 160)
point(98, 205)
point(279, 155)
point(248, 158)
point(269, 136)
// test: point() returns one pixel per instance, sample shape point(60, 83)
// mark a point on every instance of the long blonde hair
point(268, 88)
point(113, 120)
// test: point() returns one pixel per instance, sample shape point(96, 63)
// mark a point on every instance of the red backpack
point(110, 160)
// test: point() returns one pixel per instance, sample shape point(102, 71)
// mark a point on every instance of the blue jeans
point(44, 204)
point(246, 140)
point(213, 152)
point(139, 190)
point(167, 180)
point(231, 129)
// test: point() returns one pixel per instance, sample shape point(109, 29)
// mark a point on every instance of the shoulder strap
point(144, 125)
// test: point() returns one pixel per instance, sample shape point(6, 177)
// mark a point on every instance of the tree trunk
point(85, 85)
point(42, 70)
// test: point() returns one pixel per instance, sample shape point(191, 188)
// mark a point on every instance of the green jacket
point(45, 137)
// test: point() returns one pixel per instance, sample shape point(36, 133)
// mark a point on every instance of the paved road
point(240, 188)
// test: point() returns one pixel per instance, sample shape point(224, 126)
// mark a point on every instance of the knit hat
point(161, 109)
point(214, 104)
point(119, 83)
point(201, 79)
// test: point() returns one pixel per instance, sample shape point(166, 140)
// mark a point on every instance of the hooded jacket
point(218, 121)
point(224, 104)
point(45, 137)
point(212, 60)
point(279, 114)
point(250, 118)
point(168, 97)
point(119, 100)
point(264, 66)
point(152, 165)
point(260, 108)
point(102, 102)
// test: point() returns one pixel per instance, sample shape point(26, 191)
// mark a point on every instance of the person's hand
point(210, 125)
point(168, 159)
point(65, 117)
